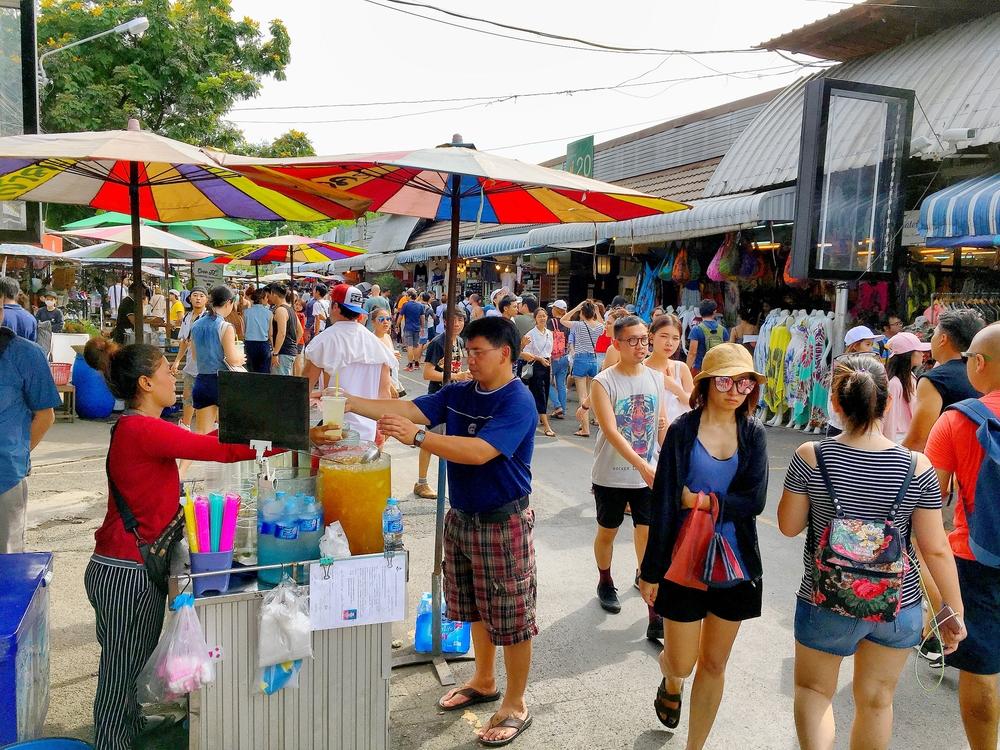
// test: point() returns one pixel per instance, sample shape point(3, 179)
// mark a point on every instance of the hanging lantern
point(603, 265)
point(552, 267)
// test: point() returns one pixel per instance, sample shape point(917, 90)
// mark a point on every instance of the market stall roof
point(706, 216)
point(155, 243)
point(874, 26)
point(510, 244)
point(952, 72)
point(967, 213)
point(31, 251)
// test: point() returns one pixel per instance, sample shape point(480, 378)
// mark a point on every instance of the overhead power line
point(477, 101)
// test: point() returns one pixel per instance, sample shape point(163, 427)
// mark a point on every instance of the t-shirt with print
point(506, 419)
point(434, 354)
point(953, 446)
point(636, 401)
point(866, 483)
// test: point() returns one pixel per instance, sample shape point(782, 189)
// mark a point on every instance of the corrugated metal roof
point(876, 25)
point(707, 216)
point(956, 76)
point(684, 184)
point(477, 248)
point(440, 231)
point(393, 234)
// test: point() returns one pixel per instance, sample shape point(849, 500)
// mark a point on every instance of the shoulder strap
point(821, 465)
point(128, 519)
point(904, 487)
point(977, 412)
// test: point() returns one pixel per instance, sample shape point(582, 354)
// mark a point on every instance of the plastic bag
point(334, 542)
point(181, 662)
point(285, 631)
point(278, 677)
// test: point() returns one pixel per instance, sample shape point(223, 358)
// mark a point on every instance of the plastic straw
point(229, 515)
point(189, 524)
point(203, 523)
point(216, 506)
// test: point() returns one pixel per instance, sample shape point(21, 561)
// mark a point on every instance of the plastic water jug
point(456, 636)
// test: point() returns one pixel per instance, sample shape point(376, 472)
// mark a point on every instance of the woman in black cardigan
point(717, 448)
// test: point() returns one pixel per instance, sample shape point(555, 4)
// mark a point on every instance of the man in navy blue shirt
point(413, 313)
point(28, 397)
point(488, 546)
point(707, 334)
point(16, 318)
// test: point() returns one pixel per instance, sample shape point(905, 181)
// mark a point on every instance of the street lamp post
point(136, 27)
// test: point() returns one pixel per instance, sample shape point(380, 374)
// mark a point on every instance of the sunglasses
point(744, 386)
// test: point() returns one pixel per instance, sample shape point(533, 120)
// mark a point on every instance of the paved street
point(594, 674)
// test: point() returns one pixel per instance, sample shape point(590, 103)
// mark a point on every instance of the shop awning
point(706, 216)
point(509, 244)
point(967, 213)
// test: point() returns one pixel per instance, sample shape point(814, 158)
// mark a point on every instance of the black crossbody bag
point(155, 554)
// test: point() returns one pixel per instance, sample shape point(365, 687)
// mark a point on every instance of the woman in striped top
point(867, 471)
point(585, 334)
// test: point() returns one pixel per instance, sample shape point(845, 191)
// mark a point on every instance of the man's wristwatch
point(418, 439)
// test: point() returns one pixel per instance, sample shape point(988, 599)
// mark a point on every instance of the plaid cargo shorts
point(489, 574)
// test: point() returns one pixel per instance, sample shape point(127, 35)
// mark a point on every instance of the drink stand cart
point(342, 698)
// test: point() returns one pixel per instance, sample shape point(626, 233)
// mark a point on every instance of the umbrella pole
point(191, 280)
point(256, 273)
point(133, 204)
point(166, 297)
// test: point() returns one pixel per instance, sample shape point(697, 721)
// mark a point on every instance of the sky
point(349, 52)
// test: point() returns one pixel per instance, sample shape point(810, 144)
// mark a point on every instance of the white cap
point(561, 304)
point(859, 333)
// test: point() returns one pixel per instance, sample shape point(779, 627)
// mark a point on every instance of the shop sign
point(910, 235)
point(580, 157)
point(208, 275)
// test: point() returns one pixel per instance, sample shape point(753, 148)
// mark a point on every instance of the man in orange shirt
point(954, 450)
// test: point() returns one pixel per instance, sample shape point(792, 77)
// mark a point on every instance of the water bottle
point(392, 526)
point(268, 515)
point(287, 527)
point(310, 528)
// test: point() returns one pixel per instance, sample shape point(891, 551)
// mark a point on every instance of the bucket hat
point(728, 360)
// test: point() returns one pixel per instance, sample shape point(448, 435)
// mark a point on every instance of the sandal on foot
point(511, 722)
point(558, 414)
point(581, 433)
point(669, 717)
point(472, 694)
point(549, 433)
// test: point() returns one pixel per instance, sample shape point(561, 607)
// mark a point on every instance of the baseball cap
point(175, 293)
point(859, 333)
point(561, 304)
point(349, 297)
point(906, 342)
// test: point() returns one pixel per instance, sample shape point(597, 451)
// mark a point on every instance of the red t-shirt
point(143, 461)
point(953, 446)
point(602, 344)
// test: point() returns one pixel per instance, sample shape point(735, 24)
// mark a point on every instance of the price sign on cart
point(357, 591)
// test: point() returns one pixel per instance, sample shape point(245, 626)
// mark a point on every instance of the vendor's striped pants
point(129, 610)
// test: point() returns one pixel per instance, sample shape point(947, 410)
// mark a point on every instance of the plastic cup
point(333, 410)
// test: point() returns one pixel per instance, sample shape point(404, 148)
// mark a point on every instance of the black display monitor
point(253, 406)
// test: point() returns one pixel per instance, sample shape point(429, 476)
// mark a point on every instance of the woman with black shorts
point(213, 341)
point(717, 448)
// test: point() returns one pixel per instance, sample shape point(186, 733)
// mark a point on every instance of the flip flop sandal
point(560, 414)
point(474, 697)
point(511, 722)
point(581, 433)
point(669, 717)
point(549, 433)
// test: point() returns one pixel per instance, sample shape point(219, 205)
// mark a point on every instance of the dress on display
point(793, 355)
point(761, 350)
point(802, 383)
point(820, 391)
point(775, 371)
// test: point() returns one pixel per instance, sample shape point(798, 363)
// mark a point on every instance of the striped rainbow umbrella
point(151, 177)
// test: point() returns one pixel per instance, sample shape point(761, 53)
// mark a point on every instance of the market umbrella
point(455, 182)
point(201, 230)
point(150, 177)
point(290, 248)
point(17, 250)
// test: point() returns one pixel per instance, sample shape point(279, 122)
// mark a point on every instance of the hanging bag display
point(181, 663)
point(714, 271)
point(687, 563)
point(680, 272)
point(729, 262)
point(859, 564)
point(667, 265)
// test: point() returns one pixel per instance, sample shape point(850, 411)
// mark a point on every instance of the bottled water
point(310, 528)
point(392, 526)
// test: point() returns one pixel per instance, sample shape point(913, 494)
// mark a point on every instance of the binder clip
point(326, 563)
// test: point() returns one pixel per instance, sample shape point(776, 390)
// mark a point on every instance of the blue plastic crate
point(24, 644)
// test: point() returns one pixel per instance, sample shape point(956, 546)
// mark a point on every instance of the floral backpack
point(859, 564)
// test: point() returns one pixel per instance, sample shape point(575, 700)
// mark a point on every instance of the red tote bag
point(687, 565)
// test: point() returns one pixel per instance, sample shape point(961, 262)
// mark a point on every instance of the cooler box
point(24, 644)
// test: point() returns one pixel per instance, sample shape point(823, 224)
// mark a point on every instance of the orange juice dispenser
point(354, 485)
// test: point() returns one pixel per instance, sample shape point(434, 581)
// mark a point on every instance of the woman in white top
point(665, 340)
point(536, 348)
point(907, 354)
point(381, 325)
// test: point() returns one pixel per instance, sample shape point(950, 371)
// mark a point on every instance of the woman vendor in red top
point(142, 459)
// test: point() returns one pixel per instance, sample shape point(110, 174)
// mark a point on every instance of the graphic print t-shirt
point(636, 402)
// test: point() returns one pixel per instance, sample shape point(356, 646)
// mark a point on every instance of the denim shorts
point(205, 391)
point(411, 338)
point(826, 631)
point(585, 365)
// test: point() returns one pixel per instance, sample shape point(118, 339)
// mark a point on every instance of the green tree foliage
point(179, 79)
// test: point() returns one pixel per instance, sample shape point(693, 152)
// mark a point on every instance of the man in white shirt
point(116, 293)
point(348, 351)
point(321, 309)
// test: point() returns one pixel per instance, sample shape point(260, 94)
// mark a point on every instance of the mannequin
point(822, 334)
point(801, 375)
